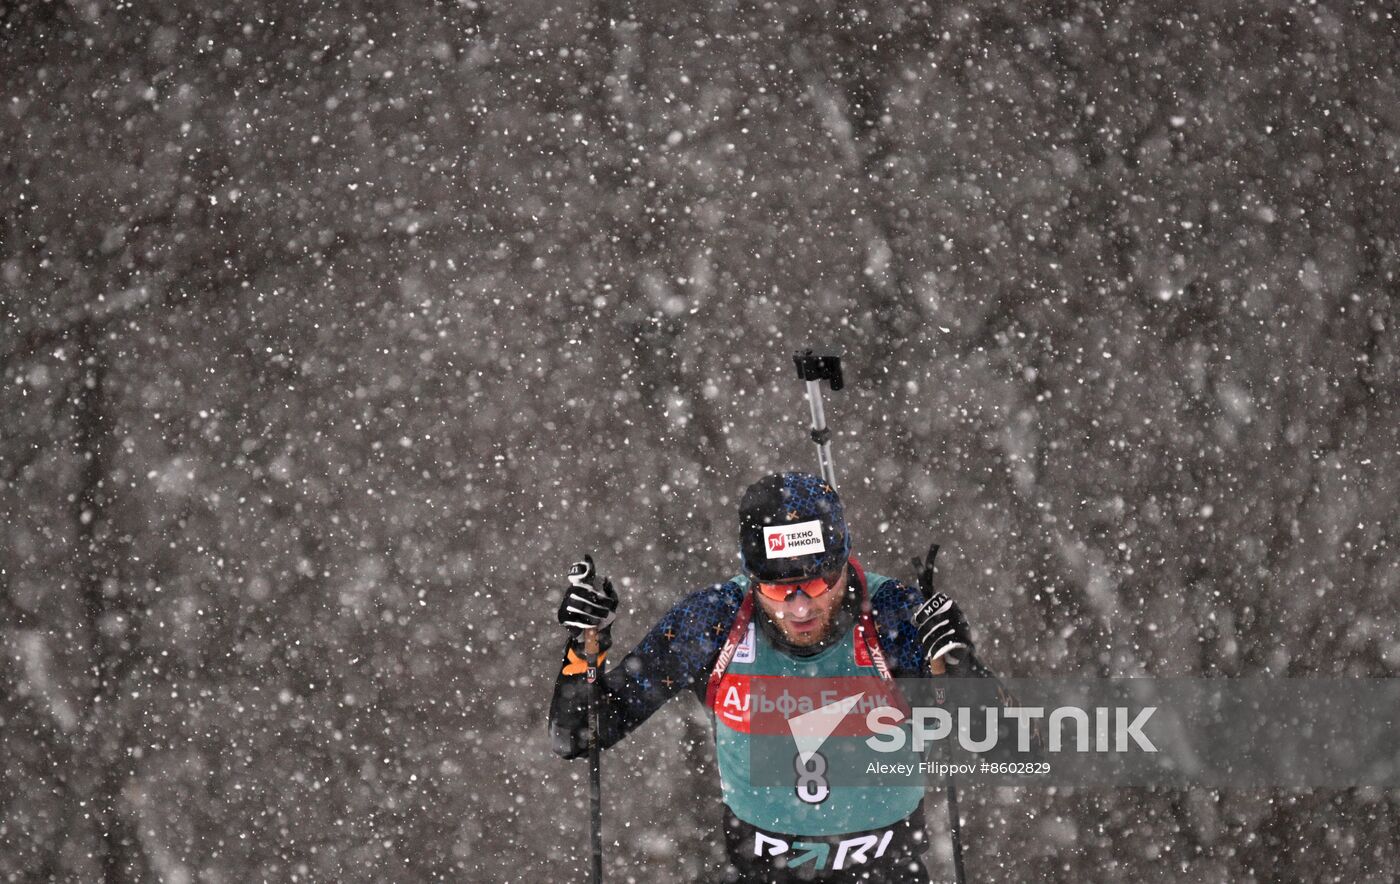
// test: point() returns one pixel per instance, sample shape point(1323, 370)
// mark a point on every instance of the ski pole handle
point(584, 574)
point(937, 667)
point(590, 653)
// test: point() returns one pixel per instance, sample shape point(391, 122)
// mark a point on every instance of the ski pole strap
point(577, 665)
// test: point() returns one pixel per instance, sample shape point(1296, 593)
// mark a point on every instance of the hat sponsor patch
point(789, 541)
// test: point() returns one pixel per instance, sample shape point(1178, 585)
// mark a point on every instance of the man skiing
point(803, 608)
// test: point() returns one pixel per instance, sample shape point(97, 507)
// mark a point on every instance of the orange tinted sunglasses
point(779, 592)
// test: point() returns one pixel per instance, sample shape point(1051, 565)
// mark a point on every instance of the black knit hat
point(792, 526)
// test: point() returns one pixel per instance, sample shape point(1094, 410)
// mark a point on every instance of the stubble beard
point(816, 636)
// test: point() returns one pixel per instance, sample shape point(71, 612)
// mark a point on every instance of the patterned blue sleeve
point(894, 604)
point(676, 654)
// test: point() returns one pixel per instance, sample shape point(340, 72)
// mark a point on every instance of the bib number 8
point(811, 778)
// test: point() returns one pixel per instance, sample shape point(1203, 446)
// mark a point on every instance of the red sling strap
point(866, 631)
point(731, 645)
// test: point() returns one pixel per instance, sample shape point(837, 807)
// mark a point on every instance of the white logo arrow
point(810, 729)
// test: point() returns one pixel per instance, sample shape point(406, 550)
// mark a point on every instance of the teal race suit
point(780, 825)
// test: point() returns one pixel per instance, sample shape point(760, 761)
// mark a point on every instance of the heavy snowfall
point(331, 334)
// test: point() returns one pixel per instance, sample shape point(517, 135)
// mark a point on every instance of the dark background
point(330, 335)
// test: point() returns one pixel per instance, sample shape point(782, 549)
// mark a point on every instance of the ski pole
point(595, 787)
point(950, 787)
point(585, 570)
point(955, 829)
point(814, 369)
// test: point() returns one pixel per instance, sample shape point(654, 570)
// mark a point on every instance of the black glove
point(941, 624)
point(587, 607)
point(942, 630)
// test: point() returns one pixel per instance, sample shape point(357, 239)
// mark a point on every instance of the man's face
point(803, 620)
